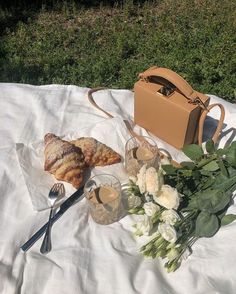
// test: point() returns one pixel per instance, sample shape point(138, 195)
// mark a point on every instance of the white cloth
point(88, 258)
point(31, 159)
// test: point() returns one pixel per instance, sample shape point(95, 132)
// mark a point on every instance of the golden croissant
point(96, 153)
point(64, 160)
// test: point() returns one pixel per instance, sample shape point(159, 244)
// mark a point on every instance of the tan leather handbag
point(167, 106)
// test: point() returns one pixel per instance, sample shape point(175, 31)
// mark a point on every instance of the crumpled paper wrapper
point(111, 132)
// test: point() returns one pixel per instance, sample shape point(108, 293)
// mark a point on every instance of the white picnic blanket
point(88, 258)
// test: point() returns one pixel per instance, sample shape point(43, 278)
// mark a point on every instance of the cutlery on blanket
point(76, 197)
point(56, 193)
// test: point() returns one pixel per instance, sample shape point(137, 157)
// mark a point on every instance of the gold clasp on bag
point(166, 90)
point(199, 102)
point(143, 78)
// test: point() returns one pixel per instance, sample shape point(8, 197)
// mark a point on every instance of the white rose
point(150, 208)
point(141, 181)
point(154, 180)
point(168, 232)
point(167, 197)
point(169, 216)
point(143, 226)
point(134, 201)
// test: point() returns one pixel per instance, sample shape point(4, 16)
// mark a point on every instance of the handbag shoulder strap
point(219, 125)
point(91, 100)
point(128, 125)
point(201, 120)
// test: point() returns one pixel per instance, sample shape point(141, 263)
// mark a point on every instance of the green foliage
point(231, 156)
point(206, 224)
point(207, 184)
point(223, 169)
point(212, 201)
point(169, 169)
point(211, 166)
point(210, 146)
point(227, 219)
point(193, 151)
point(109, 46)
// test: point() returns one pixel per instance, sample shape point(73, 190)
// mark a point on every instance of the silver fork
point(56, 193)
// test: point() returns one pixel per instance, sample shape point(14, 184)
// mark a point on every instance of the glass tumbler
point(103, 193)
point(140, 152)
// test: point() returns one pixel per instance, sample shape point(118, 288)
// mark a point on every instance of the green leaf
point(169, 169)
point(209, 182)
point(193, 151)
point(231, 171)
point(222, 213)
point(186, 190)
point(220, 152)
point(196, 175)
point(210, 146)
point(188, 164)
point(223, 169)
point(220, 178)
point(223, 183)
point(193, 204)
point(205, 172)
point(233, 144)
point(213, 200)
point(204, 161)
point(211, 166)
point(231, 157)
point(227, 219)
point(206, 224)
point(185, 172)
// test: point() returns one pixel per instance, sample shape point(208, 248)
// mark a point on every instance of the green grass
point(109, 46)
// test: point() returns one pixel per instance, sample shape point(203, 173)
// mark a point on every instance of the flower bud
point(143, 226)
point(168, 232)
point(172, 254)
point(173, 267)
point(134, 201)
point(150, 208)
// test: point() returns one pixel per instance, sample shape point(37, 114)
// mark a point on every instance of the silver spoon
point(56, 193)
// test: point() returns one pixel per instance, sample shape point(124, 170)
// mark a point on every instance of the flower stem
point(206, 161)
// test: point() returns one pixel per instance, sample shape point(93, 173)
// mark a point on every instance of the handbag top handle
point(171, 76)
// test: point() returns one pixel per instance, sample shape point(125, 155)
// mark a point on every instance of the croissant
point(64, 160)
point(96, 153)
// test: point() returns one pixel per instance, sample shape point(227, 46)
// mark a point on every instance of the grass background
point(94, 43)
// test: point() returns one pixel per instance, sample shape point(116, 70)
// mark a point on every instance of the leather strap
point(91, 100)
point(171, 76)
point(201, 120)
point(219, 126)
point(128, 125)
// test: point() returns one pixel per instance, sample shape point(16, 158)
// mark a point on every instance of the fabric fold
point(39, 182)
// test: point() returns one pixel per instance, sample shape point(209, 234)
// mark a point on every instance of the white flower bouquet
point(178, 205)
